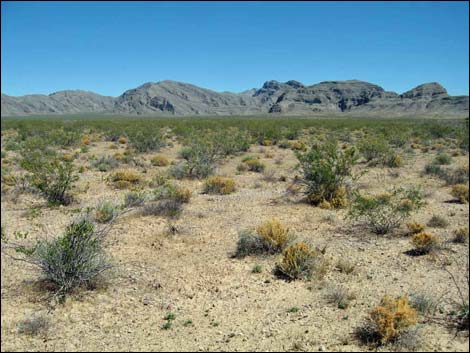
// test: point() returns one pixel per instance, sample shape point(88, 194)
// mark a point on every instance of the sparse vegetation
point(384, 212)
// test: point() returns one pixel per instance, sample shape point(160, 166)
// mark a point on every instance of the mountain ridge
point(175, 98)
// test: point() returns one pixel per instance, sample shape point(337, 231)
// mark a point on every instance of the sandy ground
point(192, 274)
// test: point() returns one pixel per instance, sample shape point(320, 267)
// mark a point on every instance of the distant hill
point(290, 98)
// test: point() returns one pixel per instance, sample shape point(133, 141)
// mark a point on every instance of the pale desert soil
point(192, 274)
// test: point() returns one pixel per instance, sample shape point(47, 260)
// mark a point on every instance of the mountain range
point(290, 98)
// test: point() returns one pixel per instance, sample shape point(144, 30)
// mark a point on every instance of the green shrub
point(387, 211)
point(373, 149)
point(105, 212)
point(442, 159)
point(146, 141)
point(105, 163)
point(53, 177)
point(325, 169)
point(72, 259)
point(134, 199)
point(200, 158)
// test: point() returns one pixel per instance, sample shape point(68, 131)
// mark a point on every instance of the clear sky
point(109, 47)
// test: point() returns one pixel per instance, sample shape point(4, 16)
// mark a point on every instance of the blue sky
point(109, 47)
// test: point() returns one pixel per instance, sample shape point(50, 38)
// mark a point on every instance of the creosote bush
point(325, 169)
point(301, 261)
point(71, 260)
point(384, 212)
point(424, 243)
point(219, 185)
point(167, 200)
point(51, 176)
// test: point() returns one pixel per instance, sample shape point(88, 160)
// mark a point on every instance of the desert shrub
point(167, 200)
point(393, 160)
point(373, 149)
point(253, 165)
point(105, 163)
point(170, 191)
point(442, 159)
point(461, 235)
point(179, 170)
point(52, 177)
point(297, 146)
point(387, 211)
point(85, 140)
point(301, 261)
point(122, 140)
point(388, 321)
point(146, 141)
point(424, 243)
point(345, 266)
point(283, 144)
point(274, 234)
point(414, 227)
point(423, 303)
point(160, 161)
point(438, 222)
point(271, 237)
point(250, 243)
point(338, 296)
point(125, 178)
point(325, 169)
point(166, 208)
point(456, 176)
point(433, 169)
point(72, 259)
point(460, 192)
point(134, 199)
point(201, 158)
point(219, 185)
point(105, 212)
point(34, 325)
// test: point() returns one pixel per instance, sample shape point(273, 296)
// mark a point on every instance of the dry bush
point(219, 185)
point(125, 178)
point(460, 192)
point(275, 234)
point(388, 321)
point(271, 237)
point(414, 228)
point(160, 161)
point(301, 261)
point(438, 222)
point(461, 235)
point(424, 243)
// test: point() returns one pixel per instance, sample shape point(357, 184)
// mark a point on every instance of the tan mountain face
point(292, 97)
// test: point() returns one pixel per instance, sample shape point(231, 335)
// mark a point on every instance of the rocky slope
point(291, 97)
